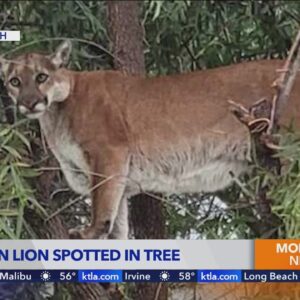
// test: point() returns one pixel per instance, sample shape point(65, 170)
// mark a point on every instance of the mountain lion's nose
point(31, 105)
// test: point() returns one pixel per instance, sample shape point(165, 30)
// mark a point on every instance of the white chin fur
point(35, 115)
point(39, 110)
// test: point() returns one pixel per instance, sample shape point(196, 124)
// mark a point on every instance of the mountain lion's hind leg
point(107, 195)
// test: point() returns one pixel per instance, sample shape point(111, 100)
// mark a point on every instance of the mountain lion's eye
point(41, 78)
point(15, 82)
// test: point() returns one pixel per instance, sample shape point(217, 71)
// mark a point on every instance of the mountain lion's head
point(34, 81)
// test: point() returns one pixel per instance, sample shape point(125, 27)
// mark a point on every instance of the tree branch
point(285, 82)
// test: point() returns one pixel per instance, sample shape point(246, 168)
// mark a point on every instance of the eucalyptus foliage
point(286, 188)
point(15, 174)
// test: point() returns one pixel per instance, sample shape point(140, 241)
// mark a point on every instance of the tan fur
point(171, 134)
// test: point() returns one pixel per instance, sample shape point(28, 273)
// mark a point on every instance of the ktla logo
point(9, 35)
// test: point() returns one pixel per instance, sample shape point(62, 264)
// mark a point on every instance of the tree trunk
point(147, 214)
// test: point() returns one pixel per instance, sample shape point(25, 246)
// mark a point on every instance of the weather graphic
point(45, 276)
point(164, 276)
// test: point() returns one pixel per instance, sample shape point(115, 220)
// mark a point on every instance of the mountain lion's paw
point(75, 234)
point(86, 234)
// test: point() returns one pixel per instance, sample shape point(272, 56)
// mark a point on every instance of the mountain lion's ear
point(4, 64)
point(62, 54)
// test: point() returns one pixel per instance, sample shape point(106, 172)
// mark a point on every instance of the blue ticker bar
point(201, 276)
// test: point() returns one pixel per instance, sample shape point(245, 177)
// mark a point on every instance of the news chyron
point(200, 261)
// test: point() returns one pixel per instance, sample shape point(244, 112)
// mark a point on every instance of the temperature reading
point(186, 276)
point(66, 275)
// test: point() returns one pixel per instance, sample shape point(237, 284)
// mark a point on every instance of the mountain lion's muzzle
point(33, 107)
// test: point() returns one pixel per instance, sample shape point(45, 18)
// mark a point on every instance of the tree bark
point(7, 104)
point(126, 36)
point(147, 214)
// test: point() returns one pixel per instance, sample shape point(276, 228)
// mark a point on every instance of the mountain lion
point(117, 135)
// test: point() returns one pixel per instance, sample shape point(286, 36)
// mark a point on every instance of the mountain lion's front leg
point(121, 227)
point(109, 181)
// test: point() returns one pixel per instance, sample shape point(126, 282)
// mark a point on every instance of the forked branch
point(263, 116)
point(285, 82)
